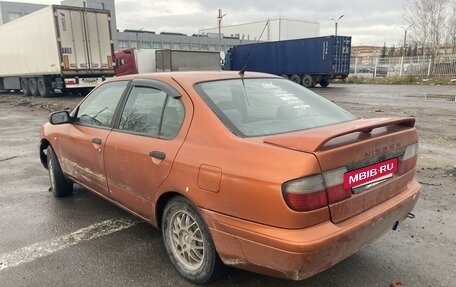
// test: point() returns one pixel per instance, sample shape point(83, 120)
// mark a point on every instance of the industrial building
point(10, 11)
point(151, 40)
point(271, 30)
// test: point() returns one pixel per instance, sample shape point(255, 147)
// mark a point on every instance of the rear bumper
point(83, 82)
point(300, 253)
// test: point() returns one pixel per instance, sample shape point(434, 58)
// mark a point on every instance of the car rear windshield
point(266, 106)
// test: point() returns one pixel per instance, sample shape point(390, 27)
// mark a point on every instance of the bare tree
point(428, 19)
point(451, 27)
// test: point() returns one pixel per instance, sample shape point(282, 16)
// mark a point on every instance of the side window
point(99, 107)
point(172, 118)
point(120, 62)
point(152, 112)
point(143, 111)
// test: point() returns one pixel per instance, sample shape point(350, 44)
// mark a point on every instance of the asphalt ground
point(84, 240)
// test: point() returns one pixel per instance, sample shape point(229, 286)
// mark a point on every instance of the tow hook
point(411, 215)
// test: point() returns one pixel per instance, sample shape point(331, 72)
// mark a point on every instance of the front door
point(82, 143)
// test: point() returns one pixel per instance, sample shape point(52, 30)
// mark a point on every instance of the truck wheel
point(25, 87)
point(33, 85)
point(295, 78)
point(44, 87)
point(324, 83)
point(284, 76)
point(189, 243)
point(60, 186)
point(307, 81)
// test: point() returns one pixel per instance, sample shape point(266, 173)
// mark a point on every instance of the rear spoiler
point(315, 139)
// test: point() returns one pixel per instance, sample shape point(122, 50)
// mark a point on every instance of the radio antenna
point(267, 23)
point(241, 72)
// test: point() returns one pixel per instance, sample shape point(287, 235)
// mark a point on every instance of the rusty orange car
point(237, 169)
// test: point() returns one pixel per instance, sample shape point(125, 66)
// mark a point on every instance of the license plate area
point(365, 177)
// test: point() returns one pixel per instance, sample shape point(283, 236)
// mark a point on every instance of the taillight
point(306, 193)
point(408, 161)
point(317, 191)
point(313, 192)
point(334, 182)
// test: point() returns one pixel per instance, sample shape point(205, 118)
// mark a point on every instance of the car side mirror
point(58, 118)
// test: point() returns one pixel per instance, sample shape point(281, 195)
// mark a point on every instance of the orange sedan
point(246, 170)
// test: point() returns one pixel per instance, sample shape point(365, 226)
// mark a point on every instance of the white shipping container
point(145, 61)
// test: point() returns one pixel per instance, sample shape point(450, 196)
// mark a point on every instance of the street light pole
point(404, 52)
point(220, 17)
point(405, 38)
point(138, 44)
point(336, 22)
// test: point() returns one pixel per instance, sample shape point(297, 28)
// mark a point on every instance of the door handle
point(157, 154)
point(96, 141)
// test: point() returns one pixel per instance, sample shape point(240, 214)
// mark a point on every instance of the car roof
point(193, 77)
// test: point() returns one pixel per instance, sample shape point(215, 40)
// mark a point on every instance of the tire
point(33, 86)
point(60, 186)
point(44, 87)
point(182, 226)
point(284, 76)
point(307, 81)
point(295, 78)
point(324, 83)
point(25, 87)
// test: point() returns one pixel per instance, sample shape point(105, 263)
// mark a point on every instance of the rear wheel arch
point(161, 204)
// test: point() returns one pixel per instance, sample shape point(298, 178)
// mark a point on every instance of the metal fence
point(404, 66)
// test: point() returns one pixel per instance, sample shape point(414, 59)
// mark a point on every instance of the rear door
point(140, 152)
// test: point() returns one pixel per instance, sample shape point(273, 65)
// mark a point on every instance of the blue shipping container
point(323, 58)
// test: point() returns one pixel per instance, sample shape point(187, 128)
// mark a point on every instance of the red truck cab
point(125, 62)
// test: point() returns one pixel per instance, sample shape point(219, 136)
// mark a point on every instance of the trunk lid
point(356, 145)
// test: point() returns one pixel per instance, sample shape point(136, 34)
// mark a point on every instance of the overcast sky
point(368, 22)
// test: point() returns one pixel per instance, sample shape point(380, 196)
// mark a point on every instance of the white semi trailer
point(57, 47)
